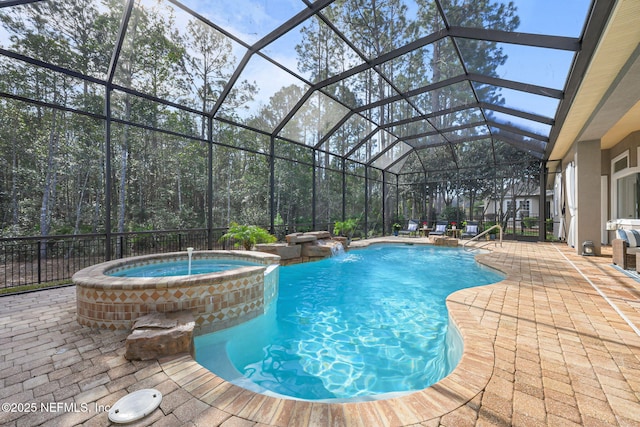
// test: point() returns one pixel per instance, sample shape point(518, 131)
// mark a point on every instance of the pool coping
point(468, 379)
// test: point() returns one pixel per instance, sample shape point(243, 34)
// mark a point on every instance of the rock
point(342, 240)
point(284, 250)
point(160, 334)
point(319, 234)
point(304, 247)
point(451, 242)
point(297, 238)
point(315, 250)
point(445, 241)
point(155, 320)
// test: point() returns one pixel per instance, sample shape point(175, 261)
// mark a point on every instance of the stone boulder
point(284, 250)
point(303, 247)
point(343, 241)
point(320, 248)
point(297, 238)
point(319, 234)
point(160, 334)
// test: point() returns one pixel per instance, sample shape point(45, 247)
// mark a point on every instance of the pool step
point(156, 335)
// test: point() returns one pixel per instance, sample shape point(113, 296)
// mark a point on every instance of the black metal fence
point(54, 259)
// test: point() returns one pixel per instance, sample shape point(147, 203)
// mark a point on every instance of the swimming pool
point(180, 268)
point(368, 325)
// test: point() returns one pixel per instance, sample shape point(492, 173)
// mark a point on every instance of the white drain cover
point(135, 405)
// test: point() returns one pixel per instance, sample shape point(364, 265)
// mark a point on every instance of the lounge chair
point(412, 228)
point(471, 230)
point(625, 248)
point(440, 230)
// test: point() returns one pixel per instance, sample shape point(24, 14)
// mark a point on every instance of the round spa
point(236, 288)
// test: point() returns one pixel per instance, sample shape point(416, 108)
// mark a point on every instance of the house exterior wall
point(594, 165)
point(629, 147)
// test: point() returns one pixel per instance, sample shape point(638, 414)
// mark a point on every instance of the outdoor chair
point(412, 228)
point(471, 230)
point(625, 248)
point(440, 230)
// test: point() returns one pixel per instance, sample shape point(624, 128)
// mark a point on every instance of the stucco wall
point(631, 143)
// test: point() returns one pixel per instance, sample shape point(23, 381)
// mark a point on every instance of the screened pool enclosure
point(123, 120)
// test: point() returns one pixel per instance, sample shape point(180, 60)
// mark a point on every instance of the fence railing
point(54, 259)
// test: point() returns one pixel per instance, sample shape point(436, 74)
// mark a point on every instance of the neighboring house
point(525, 204)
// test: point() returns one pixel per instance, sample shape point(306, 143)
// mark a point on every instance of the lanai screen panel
point(413, 128)
point(263, 95)
point(78, 40)
point(268, 65)
point(169, 54)
point(314, 119)
point(403, 111)
point(249, 21)
point(423, 66)
point(313, 51)
point(348, 135)
point(441, 98)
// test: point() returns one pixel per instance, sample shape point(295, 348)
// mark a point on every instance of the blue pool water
point(180, 268)
point(371, 322)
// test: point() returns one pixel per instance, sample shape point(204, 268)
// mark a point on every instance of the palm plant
point(247, 235)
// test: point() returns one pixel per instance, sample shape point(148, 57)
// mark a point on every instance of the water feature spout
point(189, 252)
point(337, 249)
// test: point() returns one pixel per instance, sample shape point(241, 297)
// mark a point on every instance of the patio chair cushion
point(413, 226)
point(631, 237)
point(440, 228)
point(472, 229)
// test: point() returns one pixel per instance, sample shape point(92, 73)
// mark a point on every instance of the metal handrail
point(477, 237)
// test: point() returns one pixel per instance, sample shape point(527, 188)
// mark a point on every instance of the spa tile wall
point(215, 303)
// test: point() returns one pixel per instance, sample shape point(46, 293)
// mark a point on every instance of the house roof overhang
point(606, 106)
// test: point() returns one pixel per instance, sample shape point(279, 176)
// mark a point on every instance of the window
point(628, 192)
point(620, 164)
point(510, 209)
point(523, 206)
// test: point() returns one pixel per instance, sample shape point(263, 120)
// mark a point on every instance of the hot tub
point(217, 299)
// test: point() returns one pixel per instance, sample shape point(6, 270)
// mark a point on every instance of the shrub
point(452, 214)
point(530, 221)
point(345, 228)
point(247, 235)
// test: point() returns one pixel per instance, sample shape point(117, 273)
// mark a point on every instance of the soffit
point(619, 41)
point(629, 123)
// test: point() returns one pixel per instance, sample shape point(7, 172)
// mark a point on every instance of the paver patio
point(543, 347)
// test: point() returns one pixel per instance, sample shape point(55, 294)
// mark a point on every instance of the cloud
point(249, 20)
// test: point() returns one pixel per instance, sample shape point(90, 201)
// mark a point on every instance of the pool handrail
point(477, 237)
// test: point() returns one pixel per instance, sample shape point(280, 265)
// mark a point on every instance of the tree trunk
point(229, 171)
point(49, 183)
point(15, 207)
point(80, 199)
point(124, 153)
point(179, 179)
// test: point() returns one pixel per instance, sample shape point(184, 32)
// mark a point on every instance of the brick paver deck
point(553, 344)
